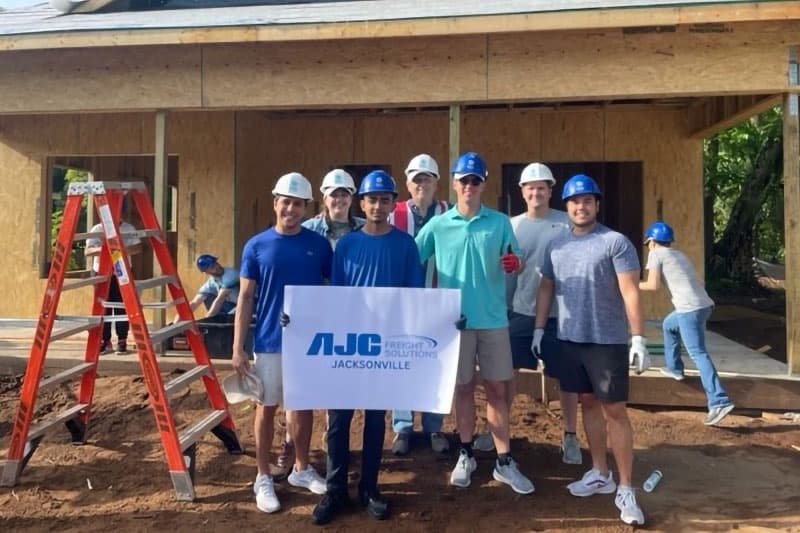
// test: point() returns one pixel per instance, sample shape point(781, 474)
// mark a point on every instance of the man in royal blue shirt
point(378, 255)
point(286, 254)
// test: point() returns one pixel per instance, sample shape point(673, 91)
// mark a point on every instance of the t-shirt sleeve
point(623, 255)
point(249, 267)
point(509, 239)
point(94, 243)
point(426, 245)
point(414, 274)
point(230, 278)
point(547, 265)
point(209, 287)
point(653, 261)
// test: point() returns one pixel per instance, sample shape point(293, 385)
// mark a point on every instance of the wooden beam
point(589, 19)
point(706, 122)
point(791, 210)
point(160, 185)
point(651, 388)
point(454, 147)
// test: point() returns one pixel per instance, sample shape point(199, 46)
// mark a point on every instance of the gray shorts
point(268, 367)
point(490, 349)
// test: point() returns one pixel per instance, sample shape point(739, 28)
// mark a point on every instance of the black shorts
point(601, 369)
point(520, 329)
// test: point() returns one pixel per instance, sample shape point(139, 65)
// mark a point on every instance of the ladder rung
point(141, 233)
point(92, 322)
point(93, 280)
point(185, 379)
point(64, 376)
point(145, 305)
point(89, 235)
point(142, 284)
point(196, 432)
point(160, 335)
point(39, 429)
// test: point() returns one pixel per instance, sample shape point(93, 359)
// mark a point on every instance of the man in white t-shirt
point(133, 245)
point(534, 229)
point(687, 322)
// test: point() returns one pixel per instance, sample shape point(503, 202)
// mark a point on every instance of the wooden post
point(791, 210)
point(160, 184)
point(455, 147)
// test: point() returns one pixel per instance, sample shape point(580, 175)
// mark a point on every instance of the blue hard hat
point(659, 231)
point(205, 261)
point(377, 181)
point(580, 184)
point(469, 164)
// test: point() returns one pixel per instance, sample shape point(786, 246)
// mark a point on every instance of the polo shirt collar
point(454, 213)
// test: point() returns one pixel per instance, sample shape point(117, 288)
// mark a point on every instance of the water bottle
point(652, 481)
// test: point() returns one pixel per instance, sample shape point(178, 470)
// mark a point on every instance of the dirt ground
point(743, 475)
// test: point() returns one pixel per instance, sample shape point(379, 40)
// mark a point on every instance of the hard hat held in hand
point(422, 164)
point(536, 172)
point(293, 184)
point(242, 387)
point(337, 179)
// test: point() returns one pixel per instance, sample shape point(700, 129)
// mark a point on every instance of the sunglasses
point(475, 181)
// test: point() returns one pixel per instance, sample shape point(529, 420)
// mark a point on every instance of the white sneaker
point(593, 483)
point(484, 442)
point(266, 500)
point(461, 476)
point(571, 450)
point(510, 475)
point(630, 512)
point(308, 479)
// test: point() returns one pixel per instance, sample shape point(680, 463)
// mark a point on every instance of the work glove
point(461, 323)
point(536, 345)
point(638, 357)
point(510, 261)
point(284, 319)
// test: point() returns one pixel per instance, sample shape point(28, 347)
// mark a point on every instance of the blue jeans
point(403, 422)
point(691, 328)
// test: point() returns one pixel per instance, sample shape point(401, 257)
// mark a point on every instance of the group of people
point(547, 285)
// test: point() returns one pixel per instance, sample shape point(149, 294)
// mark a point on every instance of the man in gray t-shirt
point(534, 229)
point(594, 274)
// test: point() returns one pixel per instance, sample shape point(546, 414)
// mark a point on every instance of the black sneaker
point(377, 506)
point(122, 348)
point(328, 507)
point(105, 347)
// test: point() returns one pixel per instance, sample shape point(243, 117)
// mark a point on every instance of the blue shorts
point(520, 329)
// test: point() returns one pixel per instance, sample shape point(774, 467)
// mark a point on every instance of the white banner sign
point(370, 348)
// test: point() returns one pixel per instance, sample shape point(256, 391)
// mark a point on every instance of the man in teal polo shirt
point(473, 246)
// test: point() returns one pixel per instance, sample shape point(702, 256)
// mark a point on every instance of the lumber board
point(714, 15)
point(791, 202)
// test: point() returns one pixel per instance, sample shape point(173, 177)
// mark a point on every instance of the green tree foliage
point(61, 179)
point(744, 181)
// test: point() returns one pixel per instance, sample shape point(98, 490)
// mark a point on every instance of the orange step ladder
point(179, 448)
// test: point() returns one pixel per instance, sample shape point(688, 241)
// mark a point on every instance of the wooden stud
point(744, 108)
point(455, 147)
point(160, 184)
point(791, 210)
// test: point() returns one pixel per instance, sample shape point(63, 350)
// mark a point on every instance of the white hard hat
point(422, 164)
point(536, 172)
point(293, 184)
point(239, 388)
point(337, 179)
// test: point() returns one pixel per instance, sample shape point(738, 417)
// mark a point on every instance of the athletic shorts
point(269, 369)
point(601, 369)
point(490, 349)
point(520, 329)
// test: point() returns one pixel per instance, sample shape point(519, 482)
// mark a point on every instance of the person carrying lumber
point(687, 322)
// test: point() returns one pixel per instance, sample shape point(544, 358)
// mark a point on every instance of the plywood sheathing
point(202, 141)
point(533, 66)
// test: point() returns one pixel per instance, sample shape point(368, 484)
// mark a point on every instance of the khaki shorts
point(268, 369)
point(490, 349)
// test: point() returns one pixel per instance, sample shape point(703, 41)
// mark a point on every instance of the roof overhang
point(43, 28)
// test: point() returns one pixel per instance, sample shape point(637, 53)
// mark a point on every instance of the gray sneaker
point(716, 414)
point(571, 450)
point(674, 374)
point(400, 445)
point(461, 476)
point(511, 476)
point(484, 442)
